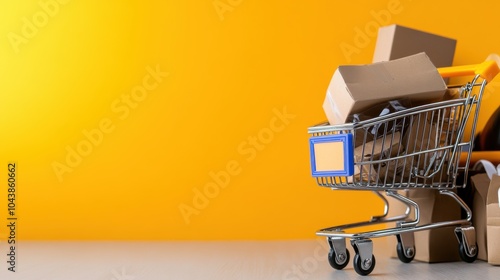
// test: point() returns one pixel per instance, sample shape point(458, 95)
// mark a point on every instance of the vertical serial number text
point(11, 218)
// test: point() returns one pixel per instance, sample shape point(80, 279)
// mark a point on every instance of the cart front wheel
point(363, 267)
point(408, 257)
point(469, 258)
point(340, 261)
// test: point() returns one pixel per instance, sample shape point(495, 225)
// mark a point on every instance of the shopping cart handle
point(487, 70)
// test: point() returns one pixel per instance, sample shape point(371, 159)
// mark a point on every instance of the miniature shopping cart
point(415, 148)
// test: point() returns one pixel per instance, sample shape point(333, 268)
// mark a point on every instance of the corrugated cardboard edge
point(332, 110)
point(385, 41)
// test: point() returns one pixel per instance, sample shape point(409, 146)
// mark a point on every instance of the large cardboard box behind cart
point(355, 88)
point(396, 41)
point(436, 245)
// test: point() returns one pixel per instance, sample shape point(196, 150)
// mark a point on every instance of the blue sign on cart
point(332, 155)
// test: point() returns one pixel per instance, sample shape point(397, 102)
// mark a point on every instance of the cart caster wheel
point(338, 262)
point(401, 253)
point(363, 267)
point(462, 251)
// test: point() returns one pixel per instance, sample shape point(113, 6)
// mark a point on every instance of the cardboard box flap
point(493, 190)
point(481, 183)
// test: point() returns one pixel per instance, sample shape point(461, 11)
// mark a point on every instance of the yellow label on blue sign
point(332, 155)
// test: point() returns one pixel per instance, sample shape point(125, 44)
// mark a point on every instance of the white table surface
point(286, 260)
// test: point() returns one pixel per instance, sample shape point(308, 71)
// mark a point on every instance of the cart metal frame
point(421, 166)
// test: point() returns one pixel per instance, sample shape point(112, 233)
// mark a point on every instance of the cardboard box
point(396, 41)
point(355, 88)
point(381, 148)
point(493, 221)
point(423, 135)
point(480, 183)
point(435, 245)
point(486, 216)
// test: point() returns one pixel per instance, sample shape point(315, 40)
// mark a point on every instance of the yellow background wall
point(107, 150)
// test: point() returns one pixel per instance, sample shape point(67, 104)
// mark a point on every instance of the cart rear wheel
point(401, 253)
point(338, 262)
point(463, 254)
point(363, 267)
